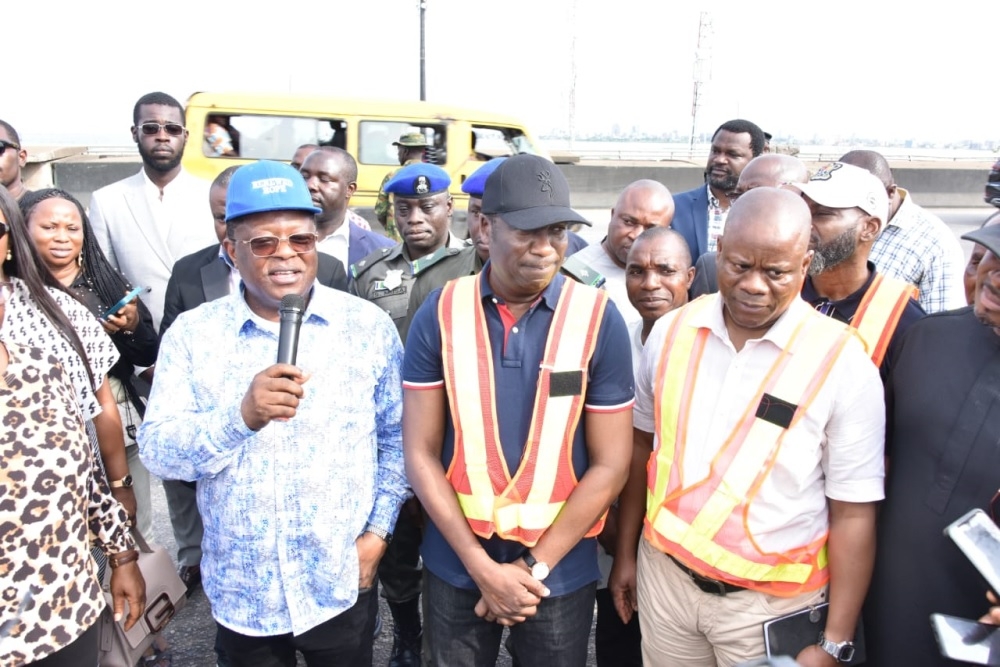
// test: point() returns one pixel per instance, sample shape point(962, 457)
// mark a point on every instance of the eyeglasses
point(265, 246)
point(6, 290)
point(3, 229)
point(173, 129)
point(4, 145)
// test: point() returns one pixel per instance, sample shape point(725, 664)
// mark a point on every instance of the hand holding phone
point(967, 641)
point(124, 302)
point(979, 539)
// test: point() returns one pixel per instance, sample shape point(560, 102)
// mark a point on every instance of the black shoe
point(191, 576)
point(405, 650)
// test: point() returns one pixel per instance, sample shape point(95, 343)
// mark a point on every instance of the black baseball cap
point(529, 192)
point(988, 236)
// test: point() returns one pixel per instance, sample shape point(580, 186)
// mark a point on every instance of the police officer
point(411, 149)
point(423, 210)
point(387, 278)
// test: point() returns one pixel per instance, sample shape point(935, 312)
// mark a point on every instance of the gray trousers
point(182, 502)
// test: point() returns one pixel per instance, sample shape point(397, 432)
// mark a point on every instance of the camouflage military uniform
point(384, 277)
point(383, 207)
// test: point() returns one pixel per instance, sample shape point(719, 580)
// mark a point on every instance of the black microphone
point(290, 313)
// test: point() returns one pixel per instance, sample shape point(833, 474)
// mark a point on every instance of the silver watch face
point(540, 571)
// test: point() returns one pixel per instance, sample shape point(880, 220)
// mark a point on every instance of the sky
point(883, 70)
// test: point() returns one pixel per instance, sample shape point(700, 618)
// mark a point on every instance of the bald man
point(762, 423)
point(765, 171)
point(641, 205)
point(915, 246)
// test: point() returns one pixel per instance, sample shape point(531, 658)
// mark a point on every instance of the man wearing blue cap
point(411, 149)
point(517, 429)
point(299, 500)
point(423, 209)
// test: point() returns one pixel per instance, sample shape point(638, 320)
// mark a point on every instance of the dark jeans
point(346, 639)
point(83, 652)
point(556, 636)
point(399, 570)
point(616, 644)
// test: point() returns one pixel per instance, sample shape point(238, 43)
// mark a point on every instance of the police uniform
point(387, 278)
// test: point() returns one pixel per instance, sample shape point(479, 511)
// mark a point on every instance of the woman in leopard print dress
point(55, 499)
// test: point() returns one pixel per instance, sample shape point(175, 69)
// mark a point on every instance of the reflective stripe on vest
point(704, 522)
point(879, 313)
point(521, 507)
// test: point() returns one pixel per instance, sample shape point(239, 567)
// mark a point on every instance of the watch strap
point(381, 533)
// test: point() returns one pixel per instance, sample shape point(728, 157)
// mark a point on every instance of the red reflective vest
point(519, 507)
point(704, 522)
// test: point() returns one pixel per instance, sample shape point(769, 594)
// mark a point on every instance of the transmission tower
point(702, 72)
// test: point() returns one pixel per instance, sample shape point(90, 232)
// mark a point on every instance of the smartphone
point(967, 641)
point(124, 301)
point(979, 539)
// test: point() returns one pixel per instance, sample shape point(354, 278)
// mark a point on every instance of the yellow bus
point(271, 127)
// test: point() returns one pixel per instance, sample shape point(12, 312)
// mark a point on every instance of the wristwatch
point(381, 533)
point(841, 651)
point(538, 570)
point(123, 483)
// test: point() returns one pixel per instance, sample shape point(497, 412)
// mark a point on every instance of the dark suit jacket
point(706, 280)
point(362, 243)
point(691, 219)
point(202, 276)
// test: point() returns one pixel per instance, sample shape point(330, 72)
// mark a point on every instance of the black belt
point(713, 586)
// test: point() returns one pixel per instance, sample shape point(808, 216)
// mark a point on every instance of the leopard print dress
point(53, 502)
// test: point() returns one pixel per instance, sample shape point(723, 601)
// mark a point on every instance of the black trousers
point(346, 639)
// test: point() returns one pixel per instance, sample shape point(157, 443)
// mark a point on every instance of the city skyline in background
point(880, 73)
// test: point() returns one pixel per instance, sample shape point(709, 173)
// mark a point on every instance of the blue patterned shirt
point(282, 506)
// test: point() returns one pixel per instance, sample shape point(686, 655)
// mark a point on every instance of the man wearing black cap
point(516, 482)
point(410, 148)
point(941, 441)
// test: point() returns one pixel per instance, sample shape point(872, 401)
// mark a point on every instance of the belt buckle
point(706, 584)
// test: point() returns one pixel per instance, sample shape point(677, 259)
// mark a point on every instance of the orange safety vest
point(523, 507)
point(879, 313)
point(704, 522)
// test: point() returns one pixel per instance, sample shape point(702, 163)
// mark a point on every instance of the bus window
point(272, 137)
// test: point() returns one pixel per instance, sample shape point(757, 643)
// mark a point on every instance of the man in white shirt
point(763, 431)
point(641, 205)
point(145, 223)
point(332, 177)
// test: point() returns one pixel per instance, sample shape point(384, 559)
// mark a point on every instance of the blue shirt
point(283, 506)
point(609, 388)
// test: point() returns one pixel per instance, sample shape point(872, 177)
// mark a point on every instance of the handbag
point(166, 594)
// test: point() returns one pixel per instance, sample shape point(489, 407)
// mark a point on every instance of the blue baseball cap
point(267, 186)
point(419, 180)
point(475, 184)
